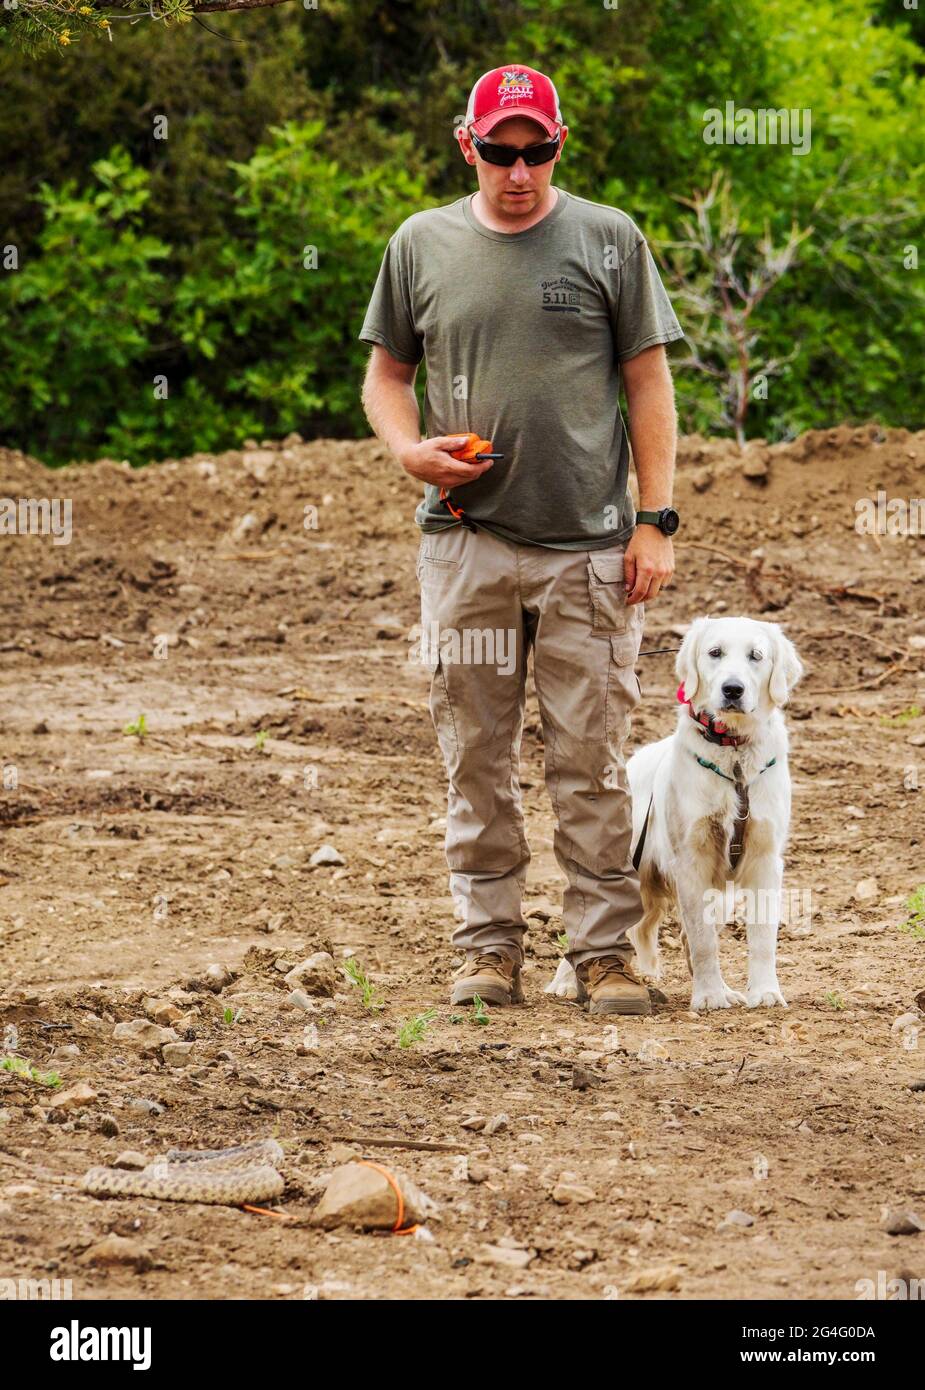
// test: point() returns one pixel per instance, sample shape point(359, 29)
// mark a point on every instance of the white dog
point(711, 809)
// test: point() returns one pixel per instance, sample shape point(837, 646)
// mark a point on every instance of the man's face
point(514, 191)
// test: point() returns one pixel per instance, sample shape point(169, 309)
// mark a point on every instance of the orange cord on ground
point(390, 1179)
point(265, 1211)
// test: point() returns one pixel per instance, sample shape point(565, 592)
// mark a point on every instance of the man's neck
point(495, 223)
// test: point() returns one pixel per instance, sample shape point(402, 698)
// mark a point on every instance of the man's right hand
point(431, 461)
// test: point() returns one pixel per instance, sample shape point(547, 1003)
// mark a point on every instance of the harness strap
point(737, 841)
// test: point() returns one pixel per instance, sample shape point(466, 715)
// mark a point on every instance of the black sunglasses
point(509, 154)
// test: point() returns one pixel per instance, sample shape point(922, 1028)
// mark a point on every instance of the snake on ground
point(227, 1177)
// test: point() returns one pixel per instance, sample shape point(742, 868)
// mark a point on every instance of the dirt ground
point(270, 660)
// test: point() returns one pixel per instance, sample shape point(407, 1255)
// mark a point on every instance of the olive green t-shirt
point(522, 335)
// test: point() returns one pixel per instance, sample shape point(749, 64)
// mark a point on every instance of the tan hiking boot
point(610, 986)
point(493, 976)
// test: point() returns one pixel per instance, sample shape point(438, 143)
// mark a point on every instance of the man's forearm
point(654, 437)
point(392, 410)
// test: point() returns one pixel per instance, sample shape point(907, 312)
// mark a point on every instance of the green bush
point(183, 258)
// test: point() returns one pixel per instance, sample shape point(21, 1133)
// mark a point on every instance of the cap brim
point(486, 124)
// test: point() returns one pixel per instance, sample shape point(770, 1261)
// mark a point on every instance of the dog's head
point(735, 667)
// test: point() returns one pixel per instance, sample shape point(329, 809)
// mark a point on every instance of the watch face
point(670, 521)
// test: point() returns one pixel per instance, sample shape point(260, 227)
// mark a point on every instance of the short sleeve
point(643, 316)
point(389, 320)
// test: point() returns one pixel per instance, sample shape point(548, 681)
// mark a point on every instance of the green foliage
point(478, 1012)
point(413, 1030)
point(914, 925)
point(369, 994)
point(88, 303)
point(146, 262)
point(18, 1066)
point(256, 338)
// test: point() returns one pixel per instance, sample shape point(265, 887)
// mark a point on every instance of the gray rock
point(298, 999)
point(131, 1160)
point(902, 1223)
point(326, 854)
point(143, 1034)
point(118, 1250)
point(583, 1079)
point(735, 1218)
point(477, 1170)
point(74, 1098)
point(176, 1054)
point(567, 1192)
point(147, 1107)
point(364, 1197)
point(501, 1255)
point(314, 975)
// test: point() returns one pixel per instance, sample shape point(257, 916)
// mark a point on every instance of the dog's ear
point(686, 663)
point(786, 668)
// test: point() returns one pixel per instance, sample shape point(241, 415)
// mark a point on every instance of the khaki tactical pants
point(484, 603)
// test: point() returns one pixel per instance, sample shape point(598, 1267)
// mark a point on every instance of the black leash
point(637, 852)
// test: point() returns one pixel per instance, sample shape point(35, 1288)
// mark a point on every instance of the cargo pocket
point(623, 689)
point(609, 610)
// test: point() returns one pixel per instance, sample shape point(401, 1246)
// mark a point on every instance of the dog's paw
point(722, 998)
point(766, 998)
point(648, 965)
point(564, 984)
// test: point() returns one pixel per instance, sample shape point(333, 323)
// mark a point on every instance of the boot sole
point(628, 1007)
point(491, 994)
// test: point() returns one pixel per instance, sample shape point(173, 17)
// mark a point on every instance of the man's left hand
point(648, 564)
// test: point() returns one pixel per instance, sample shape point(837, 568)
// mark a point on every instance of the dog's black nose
point(733, 690)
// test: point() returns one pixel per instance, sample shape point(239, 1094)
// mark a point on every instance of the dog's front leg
point(762, 922)
point(697, 902)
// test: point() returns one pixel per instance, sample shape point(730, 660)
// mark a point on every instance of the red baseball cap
point(513, 91)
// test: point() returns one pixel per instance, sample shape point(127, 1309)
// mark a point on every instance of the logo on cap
point(515, 86)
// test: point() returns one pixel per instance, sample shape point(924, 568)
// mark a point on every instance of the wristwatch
point(667, 520)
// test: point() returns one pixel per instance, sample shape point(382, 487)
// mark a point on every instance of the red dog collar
point(712, 729)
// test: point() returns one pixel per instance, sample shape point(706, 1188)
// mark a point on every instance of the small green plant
point(357, 976)
point(562, 941)
point(914, 924)
point(20, 1067)
point(478, 1013)
point(139, 728)
point(905, 716)
point(231, 1016)
point(412, 1030)
point(834, 1000)
point(260, 738)
point(457, 1018)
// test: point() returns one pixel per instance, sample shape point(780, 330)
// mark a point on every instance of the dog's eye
point(715, 652)
point(756, 656)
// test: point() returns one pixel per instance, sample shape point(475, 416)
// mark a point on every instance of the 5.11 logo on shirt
point(561, 296)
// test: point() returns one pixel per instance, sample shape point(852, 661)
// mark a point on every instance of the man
point(526, 304)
